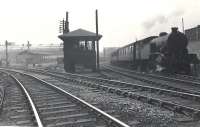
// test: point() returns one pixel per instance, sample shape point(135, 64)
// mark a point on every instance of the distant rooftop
point(28, 52)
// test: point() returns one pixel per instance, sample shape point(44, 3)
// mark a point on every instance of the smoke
point(177, 13)
point(157, 20)
point(161, 19)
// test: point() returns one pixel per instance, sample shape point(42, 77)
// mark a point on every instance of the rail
point(2, 94)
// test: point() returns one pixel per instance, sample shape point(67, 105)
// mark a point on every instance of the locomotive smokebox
point(174, 29)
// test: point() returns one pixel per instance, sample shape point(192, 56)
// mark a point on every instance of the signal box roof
point(80, 34)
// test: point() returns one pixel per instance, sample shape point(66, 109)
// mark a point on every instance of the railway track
point(2, 97)
point(52, 106)
point(15, 104)
point(185, 103)
point(187, 78)
point(165, 82)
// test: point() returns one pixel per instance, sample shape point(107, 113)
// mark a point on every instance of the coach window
point(198, 32)
point(125, 52)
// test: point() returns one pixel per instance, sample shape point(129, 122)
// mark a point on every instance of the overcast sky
point(120, 21)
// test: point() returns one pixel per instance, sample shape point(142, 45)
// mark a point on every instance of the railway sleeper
point(63, 118)
point(56, 108)
point(178, 109)
point(62, 112)
point(159, 92)
point(111, 90)
point(196, 115)
point(118, 91)
point(52, 104)
point(103, 87)
point(125, 94)
point(88, 84)
point(143, 99)
point(113, 83)
point(155, 102)
point(21, 117)
point(83, 122)
point(94, 86)
point(26, 123)
point(171, 106)
point(48, 98)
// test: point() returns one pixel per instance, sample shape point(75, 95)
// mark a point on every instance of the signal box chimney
point(66, 23)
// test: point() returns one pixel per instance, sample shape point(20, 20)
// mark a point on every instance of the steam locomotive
point(166, 52)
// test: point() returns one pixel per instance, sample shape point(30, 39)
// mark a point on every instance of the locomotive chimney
point(66, 23)
point(174, 29)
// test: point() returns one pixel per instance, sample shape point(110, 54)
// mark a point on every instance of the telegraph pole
point(183, 26)
point(97, 40)
point(6, 44)
point(28, 45)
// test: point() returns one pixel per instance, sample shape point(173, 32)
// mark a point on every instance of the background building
point(106, 56)
point(193, 35)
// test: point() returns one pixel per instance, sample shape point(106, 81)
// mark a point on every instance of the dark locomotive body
point(167, 53)
point(173, 52)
